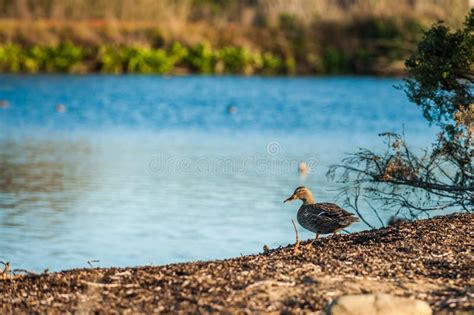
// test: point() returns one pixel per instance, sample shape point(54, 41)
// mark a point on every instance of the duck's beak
point(293, 197)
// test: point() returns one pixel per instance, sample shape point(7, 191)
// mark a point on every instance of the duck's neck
point(308, 199)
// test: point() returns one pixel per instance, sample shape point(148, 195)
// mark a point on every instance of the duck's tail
point(348, 220)
point(354, 218)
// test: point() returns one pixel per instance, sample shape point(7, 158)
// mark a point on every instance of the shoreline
point(429, 260)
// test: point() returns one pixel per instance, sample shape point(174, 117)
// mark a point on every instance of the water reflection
point(35, 193)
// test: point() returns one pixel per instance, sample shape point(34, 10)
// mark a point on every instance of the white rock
point(377, 304)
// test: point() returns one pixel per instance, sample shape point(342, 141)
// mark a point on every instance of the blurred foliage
point(269, 63)
point(220, 36)
point(335, 61)
point(374, 45)
point(10, 60)
point(201, 58)
point(368, 45)
point(236, 60)
point(60, 58)
point(307, 11)
point(111, 59)
point(442, 74)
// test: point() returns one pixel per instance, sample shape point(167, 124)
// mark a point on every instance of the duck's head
point(303, 194)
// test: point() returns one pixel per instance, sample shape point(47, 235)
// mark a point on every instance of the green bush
point(271, 64)
point(202, 58)
point(236, 60)
point(10, 58)
point(177, 53)
point(33, 59)
point(111, 59)
point(60, 58)
point(147, 60)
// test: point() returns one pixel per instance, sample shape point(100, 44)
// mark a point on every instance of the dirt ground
point(431, 260)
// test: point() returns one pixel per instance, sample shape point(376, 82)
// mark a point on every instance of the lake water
point(149, 169)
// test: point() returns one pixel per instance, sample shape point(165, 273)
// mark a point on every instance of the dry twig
point(296, 250)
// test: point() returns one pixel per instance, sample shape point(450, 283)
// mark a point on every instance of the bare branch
point(398, 179)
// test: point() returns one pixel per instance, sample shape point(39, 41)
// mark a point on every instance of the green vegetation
point(60, 58)
point(216, 36)
point(295, 57)
point(442, 75)
point(201, 58)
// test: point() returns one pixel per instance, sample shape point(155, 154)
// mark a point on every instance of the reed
point(234, 11)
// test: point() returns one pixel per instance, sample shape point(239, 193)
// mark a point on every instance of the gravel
point(429, 260)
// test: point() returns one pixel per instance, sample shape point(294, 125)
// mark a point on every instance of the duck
point(61, 108)
point(321, 217)
point(232, 110)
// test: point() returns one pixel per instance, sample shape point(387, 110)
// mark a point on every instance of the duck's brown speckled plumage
point(322, 217)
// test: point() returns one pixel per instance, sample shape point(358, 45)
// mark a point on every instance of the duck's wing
point(332, 212)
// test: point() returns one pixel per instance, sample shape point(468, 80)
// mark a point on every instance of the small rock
point(396, 220)
point(377, 304)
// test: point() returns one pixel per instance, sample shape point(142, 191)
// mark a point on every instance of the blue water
point(148, 169)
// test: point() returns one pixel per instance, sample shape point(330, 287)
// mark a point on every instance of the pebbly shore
point(430, 260)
